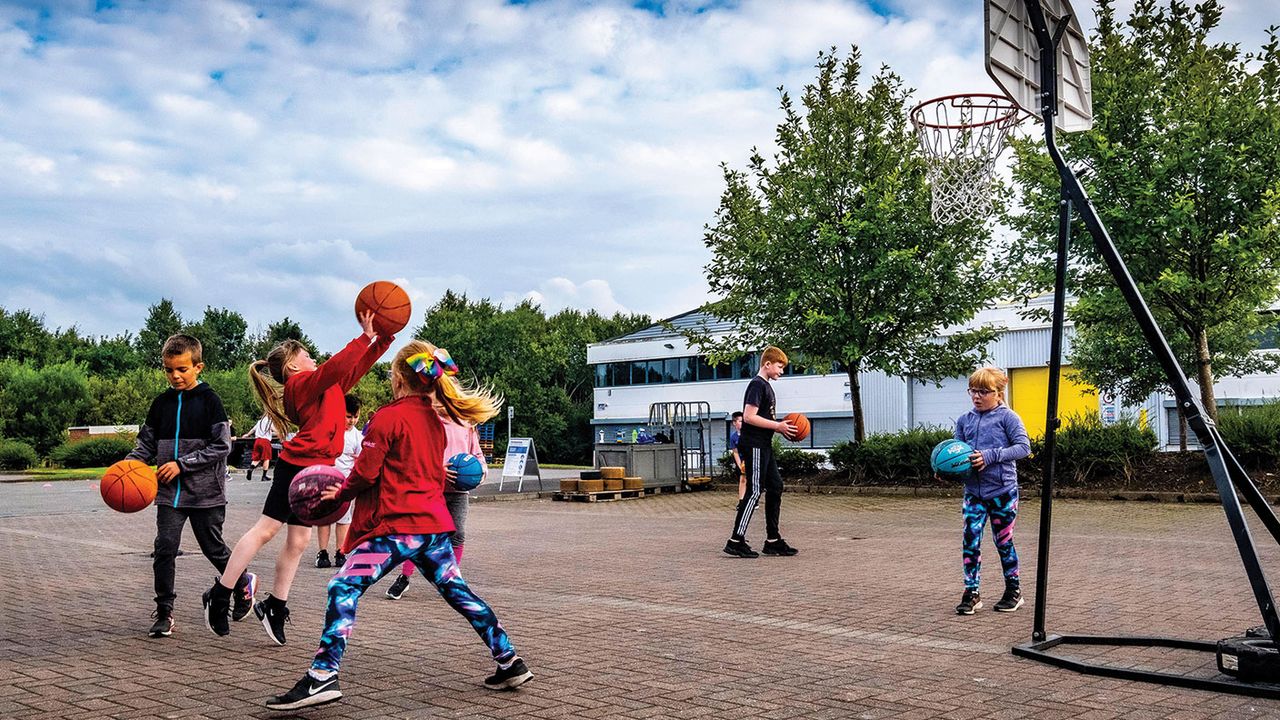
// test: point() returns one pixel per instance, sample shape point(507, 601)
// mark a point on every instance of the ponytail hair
point(464, 402)
point(271, 394)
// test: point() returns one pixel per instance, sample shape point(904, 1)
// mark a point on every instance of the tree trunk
point(855, 400)
point(1182, 430)
point(1204, 374)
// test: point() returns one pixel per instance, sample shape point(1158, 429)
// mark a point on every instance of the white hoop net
point(962, 135)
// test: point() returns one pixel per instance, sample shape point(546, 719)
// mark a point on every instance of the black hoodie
point(189, 426)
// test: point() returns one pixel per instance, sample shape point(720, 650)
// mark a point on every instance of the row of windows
point(692, 369)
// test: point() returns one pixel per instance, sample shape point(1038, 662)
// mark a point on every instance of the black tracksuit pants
point(762, 474)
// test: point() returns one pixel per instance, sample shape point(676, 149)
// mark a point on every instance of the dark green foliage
point(1252, 432)
point(891, 458)
point(287, 329)
point(162, 321)
point(94, 452)
point(796, 463)
point(17, 455)
point(37, 405)
point(223, 335)
point(121, 399)
point(1089, 451)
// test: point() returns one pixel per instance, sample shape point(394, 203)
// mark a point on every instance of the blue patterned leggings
point(1003, 512)
point(375, 557)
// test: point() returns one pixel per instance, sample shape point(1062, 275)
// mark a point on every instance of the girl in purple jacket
point(999, 440)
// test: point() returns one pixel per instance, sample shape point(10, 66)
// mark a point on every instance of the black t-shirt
point(760, 394)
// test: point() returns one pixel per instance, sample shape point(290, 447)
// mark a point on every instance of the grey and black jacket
point(189, 426)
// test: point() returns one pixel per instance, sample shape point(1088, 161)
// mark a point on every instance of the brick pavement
point(629, 610)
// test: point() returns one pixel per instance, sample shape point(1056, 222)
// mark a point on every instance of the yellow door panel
point(1029, 397)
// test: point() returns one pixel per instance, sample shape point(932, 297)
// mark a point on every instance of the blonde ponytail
point(271, 394)
point(464, 402)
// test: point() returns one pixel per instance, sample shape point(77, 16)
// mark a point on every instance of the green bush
point(1088, 450)
point(793, 462)
point(96, 452)
point(890, 458)
point(1252, 432)
point(17, 455)
point(37, 405)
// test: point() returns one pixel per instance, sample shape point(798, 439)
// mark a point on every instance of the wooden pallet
point(611, 495)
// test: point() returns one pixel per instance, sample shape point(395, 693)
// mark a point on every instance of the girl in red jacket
point(313, 399)
point(398, 487)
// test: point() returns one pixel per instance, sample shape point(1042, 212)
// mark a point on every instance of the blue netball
point(951, 457)
point(470, 471)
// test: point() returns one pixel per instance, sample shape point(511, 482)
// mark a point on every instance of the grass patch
point(50, 474)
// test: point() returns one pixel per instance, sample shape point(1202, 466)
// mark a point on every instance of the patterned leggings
point(1003, 511)
point(375, 557)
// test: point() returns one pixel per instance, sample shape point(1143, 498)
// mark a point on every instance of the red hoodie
point(398, 480)
point(314, 400)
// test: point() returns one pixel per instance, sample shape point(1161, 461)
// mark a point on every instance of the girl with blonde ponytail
point(460, 408)
point(295, 392)
point(398, 487)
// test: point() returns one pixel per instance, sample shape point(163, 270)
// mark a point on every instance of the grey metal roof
point(694, 319)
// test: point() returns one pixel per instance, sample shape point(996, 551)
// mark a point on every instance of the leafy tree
point(831, 250)
point(23, 336)
point(162, 321)
point(123, 399)
point(37, 405)
point(109, 357)
point(224, 336)
point(1183, 166)
point(278, 332)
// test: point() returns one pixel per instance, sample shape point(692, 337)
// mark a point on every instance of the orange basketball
point(129, 486)
point(388, 302)
point(801, 424)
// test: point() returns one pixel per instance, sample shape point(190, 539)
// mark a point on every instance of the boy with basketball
point(398, 487)
point(999, 440)
point(312, 399)
point(187, 433)
point(756, 448)
point(351, 441)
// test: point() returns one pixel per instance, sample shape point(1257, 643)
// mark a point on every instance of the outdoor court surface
point(630, 610)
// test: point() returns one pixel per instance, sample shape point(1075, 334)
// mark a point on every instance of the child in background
point(187, 432)
point(350, 449)
point(311, 398)
point(261, 448)
point(735, 434)
point(398, 488)
point(999, 440)
point(461, 437)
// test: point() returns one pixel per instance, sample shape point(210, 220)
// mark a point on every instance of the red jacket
point(314, 400)
point(398, 480)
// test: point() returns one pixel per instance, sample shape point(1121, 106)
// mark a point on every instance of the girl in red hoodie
point(398, 487)
point(313, 399)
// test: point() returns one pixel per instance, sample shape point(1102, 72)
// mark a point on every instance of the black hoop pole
point(1227, 472)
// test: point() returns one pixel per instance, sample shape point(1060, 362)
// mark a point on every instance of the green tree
point(162, 321)
point(109, 356)
point(23, 336)
point(1183, 166)
point(278, 332)
point(37, 405)
point(831, 250)
point(224, 336)
point(123, 399)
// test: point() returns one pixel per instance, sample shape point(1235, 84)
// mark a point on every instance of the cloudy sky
point(273, 157)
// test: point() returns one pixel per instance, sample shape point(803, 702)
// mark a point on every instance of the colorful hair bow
point(432, 365)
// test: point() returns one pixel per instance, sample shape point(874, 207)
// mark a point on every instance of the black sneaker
point(322, 559)
point(778, 547)
point(398, 587)
point(244, 593)
point(274, 614)
point(739, 548)
point(969, 602)
point(339, 559)
point(217, 606)
point(513, 677)
point(1011, 601)
point(308, 692)
point(163, 626)
point(249, 475)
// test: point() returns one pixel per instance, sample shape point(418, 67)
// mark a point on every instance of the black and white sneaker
point(739, 548)
point(512, 677)
point(217, 606)
point(969, 602)
point(778, 547)
point(273, 613)
point(243, 602)
point(1011, 601)
point(322, 559)
point(396, 591)
point(306, 693)
point(163, 626)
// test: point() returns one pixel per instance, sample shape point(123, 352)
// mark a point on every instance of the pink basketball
point(304, 495)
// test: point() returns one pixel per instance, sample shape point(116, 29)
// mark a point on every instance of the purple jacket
point(1002, 439)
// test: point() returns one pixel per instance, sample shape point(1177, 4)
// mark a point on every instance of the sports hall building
point(656, 364)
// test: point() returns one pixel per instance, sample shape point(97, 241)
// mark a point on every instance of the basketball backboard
point(1013, 60)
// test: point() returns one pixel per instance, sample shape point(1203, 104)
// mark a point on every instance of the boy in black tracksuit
point(755, 445)
point(188, 435)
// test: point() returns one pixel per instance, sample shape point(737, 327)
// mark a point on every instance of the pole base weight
point(1251, 659)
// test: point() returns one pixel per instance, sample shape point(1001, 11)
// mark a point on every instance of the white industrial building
point(656, 365)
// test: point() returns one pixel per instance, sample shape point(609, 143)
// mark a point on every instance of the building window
point(638, 372)
point(654, 368)
point(745, 366)
point(621, 374)
point(600, 375)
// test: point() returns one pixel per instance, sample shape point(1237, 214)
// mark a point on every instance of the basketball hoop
point(962, 135)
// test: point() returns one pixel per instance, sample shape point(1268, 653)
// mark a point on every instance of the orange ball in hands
point(800, 423)
point(389, 304)
point(129, 486)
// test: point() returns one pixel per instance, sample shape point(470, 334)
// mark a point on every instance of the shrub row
point(17, 455)
point(94, 452)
